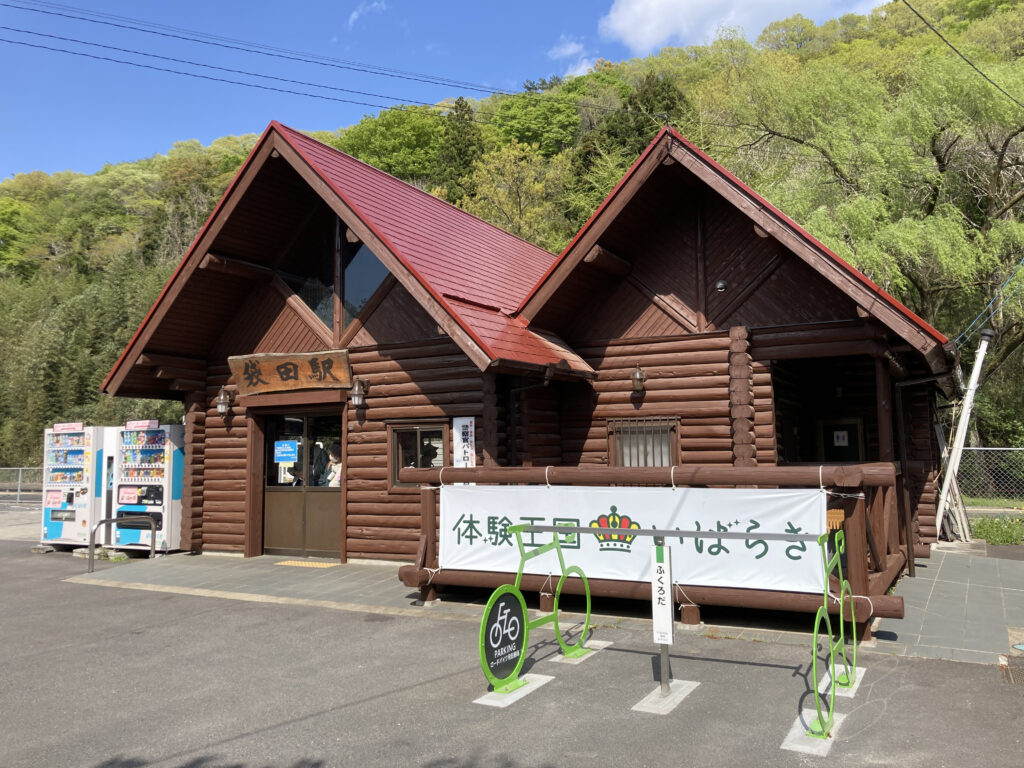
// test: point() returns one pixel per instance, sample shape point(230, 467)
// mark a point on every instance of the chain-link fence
point(992, 477)
point(21, 484)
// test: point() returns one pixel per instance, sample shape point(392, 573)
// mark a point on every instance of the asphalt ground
point(123, 678)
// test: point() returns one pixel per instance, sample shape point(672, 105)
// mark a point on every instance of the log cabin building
point(688, 323)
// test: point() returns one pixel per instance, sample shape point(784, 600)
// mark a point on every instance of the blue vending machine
point(77, 492)
point(148, 481)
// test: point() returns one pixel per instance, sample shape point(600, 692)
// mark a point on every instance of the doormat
point(307, 564)
point(1013, 672)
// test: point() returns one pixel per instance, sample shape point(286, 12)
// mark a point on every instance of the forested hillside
point(868, 130)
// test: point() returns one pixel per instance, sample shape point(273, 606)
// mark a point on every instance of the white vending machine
point(148, 480)
point(78, 466)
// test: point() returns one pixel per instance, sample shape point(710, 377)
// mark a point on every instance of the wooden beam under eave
point(813, 256)
point(226, 265)
point(173, 361)
point(307, 315)
point(606, 261)
point(190, 264)
point(168, 372)
point(188, 385)
point(590, 237)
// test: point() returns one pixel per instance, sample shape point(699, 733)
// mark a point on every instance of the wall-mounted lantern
point(721, 285)
point(224, 400)
point(360, 388)
point(639, 379)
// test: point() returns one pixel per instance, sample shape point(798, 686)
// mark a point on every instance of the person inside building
point(334, 465)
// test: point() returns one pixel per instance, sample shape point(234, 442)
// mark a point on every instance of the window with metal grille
point(645, 442)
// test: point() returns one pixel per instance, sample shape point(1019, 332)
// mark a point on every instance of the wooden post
point(741, 398)
point(857, 559)
point(489, 427)
point(338, 326)
point(883, 398)
point(192, 488)
point(903, 484)
point(344, 484)
point(254, 460)
point(428, 528)
point(700, 278)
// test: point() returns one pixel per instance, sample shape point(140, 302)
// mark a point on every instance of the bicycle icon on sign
point(504, 628)
point(506, 625)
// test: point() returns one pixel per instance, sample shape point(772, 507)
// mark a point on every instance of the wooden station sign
point(257, 374)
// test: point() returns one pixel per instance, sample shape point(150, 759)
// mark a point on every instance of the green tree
point(402, 141)
point(521, 191)
point(461, 145)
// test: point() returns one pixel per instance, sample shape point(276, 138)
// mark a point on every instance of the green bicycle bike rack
point(821, 727)
point(505, 629)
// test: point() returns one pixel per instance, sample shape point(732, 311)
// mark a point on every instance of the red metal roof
point(475, 270)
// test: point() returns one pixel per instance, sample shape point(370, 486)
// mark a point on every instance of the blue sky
point(60, 111)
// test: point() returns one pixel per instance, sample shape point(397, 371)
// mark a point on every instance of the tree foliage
point(867, 129)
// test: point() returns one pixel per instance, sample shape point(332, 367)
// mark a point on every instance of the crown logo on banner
point(614, 542)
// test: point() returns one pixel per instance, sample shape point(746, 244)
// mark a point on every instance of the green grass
point(997, 502)
point(1002, 529)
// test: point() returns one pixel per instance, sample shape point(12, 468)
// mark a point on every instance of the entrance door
point(302, 485)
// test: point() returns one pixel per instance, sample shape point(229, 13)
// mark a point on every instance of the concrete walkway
point(962, 605)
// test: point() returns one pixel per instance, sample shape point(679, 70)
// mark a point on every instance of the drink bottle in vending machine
point(76, 494)
point(148, 481)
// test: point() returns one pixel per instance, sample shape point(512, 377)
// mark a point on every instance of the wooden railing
point(867, 494)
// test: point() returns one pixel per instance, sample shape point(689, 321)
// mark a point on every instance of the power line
point(246, 47)
point(978, 322)
point(957, 52)
point(213, 66)
point(193, 74)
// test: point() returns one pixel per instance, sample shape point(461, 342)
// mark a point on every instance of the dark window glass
point(303, 450)
point(364, 273)
point(418, 447)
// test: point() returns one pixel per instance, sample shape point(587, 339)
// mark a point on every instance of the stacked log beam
point(741, 398)
point(224, 468)
point(420, 382)
point(687, 378)
point(192, 483)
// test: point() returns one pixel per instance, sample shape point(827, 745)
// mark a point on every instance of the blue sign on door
point(286, 451)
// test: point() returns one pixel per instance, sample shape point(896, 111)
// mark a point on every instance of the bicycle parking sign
point(503, 636)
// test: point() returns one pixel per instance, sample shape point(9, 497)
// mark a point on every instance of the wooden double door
point(302, 485)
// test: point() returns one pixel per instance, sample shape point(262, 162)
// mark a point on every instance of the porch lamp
point(358, 394)
point(224, 399)
point(639, 379)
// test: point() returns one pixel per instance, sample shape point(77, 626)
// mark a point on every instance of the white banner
point(464, 441)
point(475, 536)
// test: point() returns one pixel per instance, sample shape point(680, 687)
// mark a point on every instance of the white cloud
point(565, 48)
point(644, 26)
point(573, 50)
point(373, 6)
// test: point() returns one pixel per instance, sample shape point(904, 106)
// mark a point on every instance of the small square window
point(648, 442)
point(420, 446)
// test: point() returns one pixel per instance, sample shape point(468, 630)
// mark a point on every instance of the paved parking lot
point(173, 676)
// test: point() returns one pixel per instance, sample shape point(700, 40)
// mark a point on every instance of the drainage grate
point(1013, 672)
point(307, 564)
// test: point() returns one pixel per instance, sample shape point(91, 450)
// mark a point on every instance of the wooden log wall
point(923, 458)
point(687, 377)
point(741, 398)
point(416, 383)
point(540, 425)
point(224, 468)
point(192, 482)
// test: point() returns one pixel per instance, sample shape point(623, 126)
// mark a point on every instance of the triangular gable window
point(310, 272)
